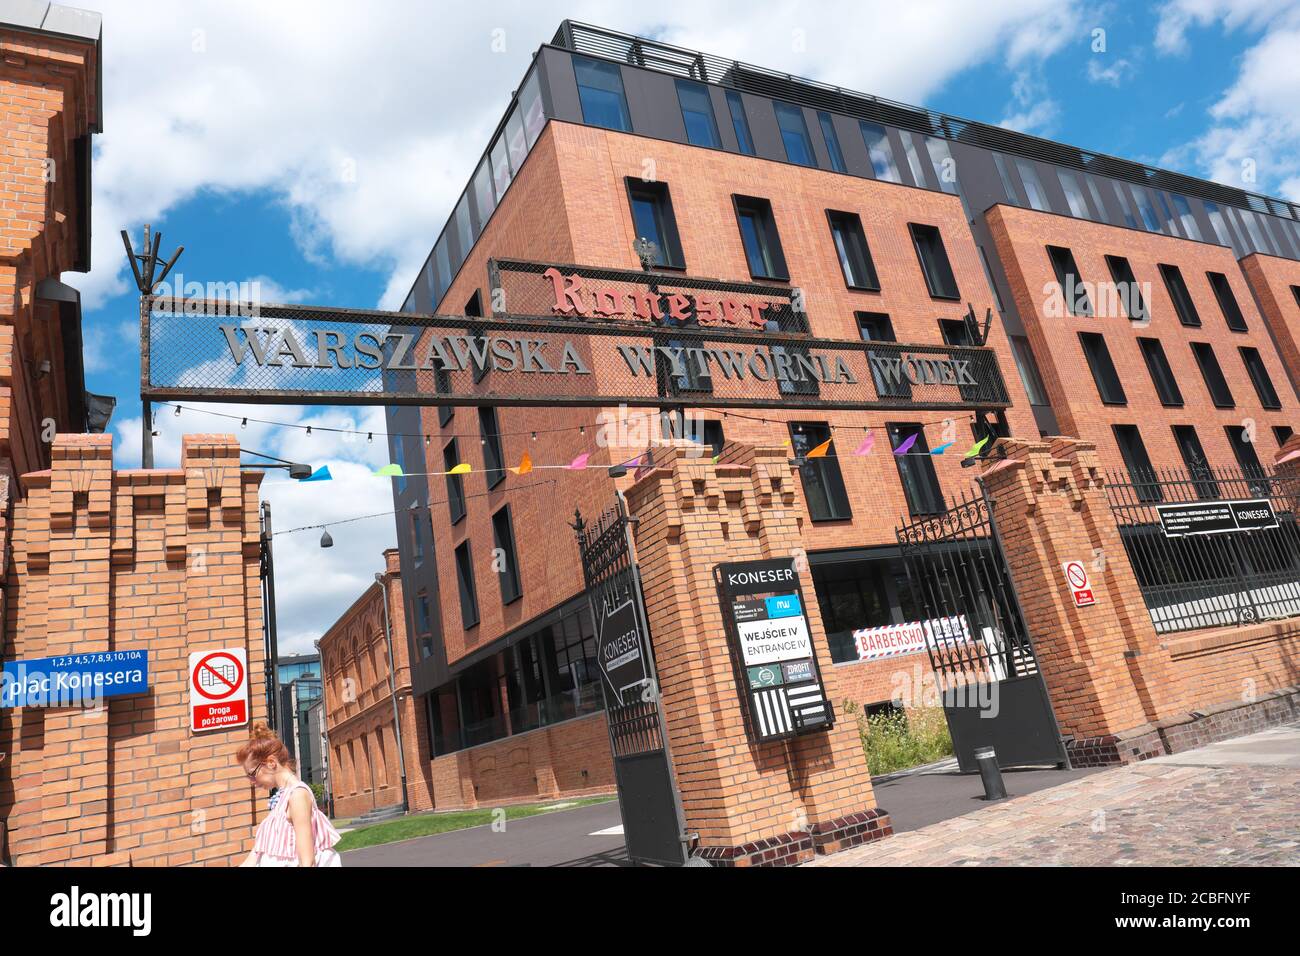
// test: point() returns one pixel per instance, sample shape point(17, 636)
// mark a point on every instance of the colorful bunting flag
point(942, 448)
point(977, 447)
point(868, 443)
point(525, 465)
point(907, 444)
point(821, 450)
point(580, 462)
point(462, 469)
point(389, 471)
point(320, 474)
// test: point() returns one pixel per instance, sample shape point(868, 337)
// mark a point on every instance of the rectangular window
point(600, 88)
point(759, 236)
point(1125, 205)
point(697, 114)
point(913, 158)
point(794, 133)
point(1147, 211)
point(945, 168)
point(1185, 217)
point(465, 583)
point(916, 469)
point(653, 219)
point(1073, 292)
point(1095, 193)
point(957, 332)
point(851, 247)
point(484, 197)
point(1259, 378)
point(1009, 187)
point(1198, 467)
point(1218, 223)
point(1128, 289)
point(1282, 434)
point(417, 539)
point(1028, 369)
point(1161, 374)
point(490, 433)
point(876, 327)
point(832, 142)
point(1295, 292)
point(1103, 369)
point(455, 484)
point(1213, 375)
point(503, 534)
point(881, 153)
point(1177, 289)
point(934, 261)
point(1227, 301)
point(1073, 194)
point(1033, 188)
point(1244, 449)
point(1137, 462)
point(740, 123)
point(823, 485)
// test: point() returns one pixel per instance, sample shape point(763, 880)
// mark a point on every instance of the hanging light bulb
point(244, 423)
point(534, 436)
point(426, 441)
point(370, 437)
point(308, 431)
point(325, 540)
point(582, 429)
point(178, 411)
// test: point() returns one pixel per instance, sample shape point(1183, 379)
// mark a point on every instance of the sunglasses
point(252, 774)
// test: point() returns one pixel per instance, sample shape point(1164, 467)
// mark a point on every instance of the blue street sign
point(73, 680)
point(784, 605)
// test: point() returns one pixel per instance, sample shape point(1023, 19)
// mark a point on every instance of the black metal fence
point(1198, 562)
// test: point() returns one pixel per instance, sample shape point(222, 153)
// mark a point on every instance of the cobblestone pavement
point(1235, 803)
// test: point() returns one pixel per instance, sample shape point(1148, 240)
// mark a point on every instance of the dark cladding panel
point(722, 113)
point(652, 103)
point(561, 85)
point(853, 146)
point(763, 127)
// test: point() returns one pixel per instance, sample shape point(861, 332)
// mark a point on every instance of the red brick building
point(886, 222)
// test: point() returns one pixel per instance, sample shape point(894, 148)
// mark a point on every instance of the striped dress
point(276, 840)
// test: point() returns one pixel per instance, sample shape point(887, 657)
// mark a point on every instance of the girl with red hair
point(296, 832)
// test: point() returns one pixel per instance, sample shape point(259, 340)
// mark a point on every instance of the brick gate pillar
point(1106, 670)
point(750, 804)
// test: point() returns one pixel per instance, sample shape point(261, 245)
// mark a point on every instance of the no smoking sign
point(1076, 576)
point(218, 689)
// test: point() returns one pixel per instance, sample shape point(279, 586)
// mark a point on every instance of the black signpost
point(772, 649)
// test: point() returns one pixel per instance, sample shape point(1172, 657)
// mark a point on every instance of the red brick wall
point(570, 759)
point(1021, 235)
point(364, 767)
point(161, 561)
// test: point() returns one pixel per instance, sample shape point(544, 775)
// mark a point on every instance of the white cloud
point(1113, 74)
point(365, 121)
point(1253, 140)
point(1178, 16)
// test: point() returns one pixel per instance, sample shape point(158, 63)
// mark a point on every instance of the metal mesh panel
point(1220, 579)
point(310, 355)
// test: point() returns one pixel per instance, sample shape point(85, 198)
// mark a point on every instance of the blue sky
point(318, 150)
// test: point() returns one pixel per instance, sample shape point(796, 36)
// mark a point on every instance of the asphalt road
point(559, 838)
point(574, 837)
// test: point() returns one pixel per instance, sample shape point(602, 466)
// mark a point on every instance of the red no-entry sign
point(1076, 576)
point(218, 689)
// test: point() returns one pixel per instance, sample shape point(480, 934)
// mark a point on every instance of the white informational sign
point(896, 640)
point(1076, 576)
point(771, 641)
point(218, 689)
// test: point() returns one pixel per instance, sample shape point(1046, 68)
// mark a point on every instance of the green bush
point(898, 740)
point(318, 790)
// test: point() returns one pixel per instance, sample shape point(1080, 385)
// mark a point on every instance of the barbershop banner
point(897, 640)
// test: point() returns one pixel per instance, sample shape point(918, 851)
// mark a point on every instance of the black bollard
point(990, 775)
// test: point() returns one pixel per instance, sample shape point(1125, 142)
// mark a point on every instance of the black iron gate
point(983, 658)
point(647, 792)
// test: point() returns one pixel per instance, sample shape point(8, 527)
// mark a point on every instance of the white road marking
point(611, 831)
